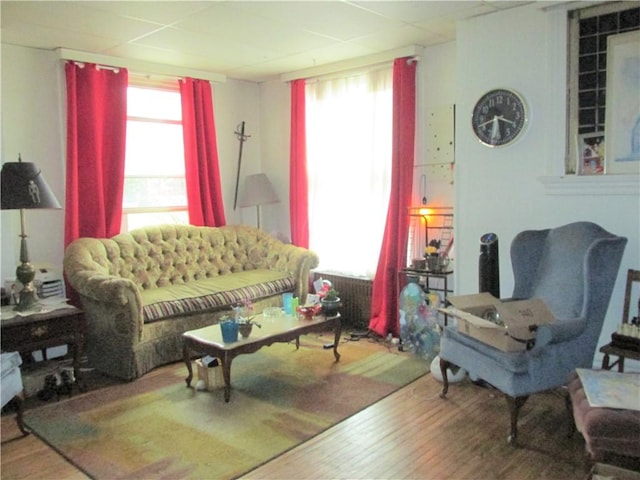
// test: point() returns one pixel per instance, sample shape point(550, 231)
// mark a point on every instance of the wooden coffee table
point(280, 329)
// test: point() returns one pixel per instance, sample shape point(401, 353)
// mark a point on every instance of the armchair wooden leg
point(444, 365)
point(514, 404)
point(18, 403)
point(572, 423)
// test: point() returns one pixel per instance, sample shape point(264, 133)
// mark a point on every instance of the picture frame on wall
point(622, 118)
point(591, 154)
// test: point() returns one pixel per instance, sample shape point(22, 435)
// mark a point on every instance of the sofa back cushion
point(166, 255)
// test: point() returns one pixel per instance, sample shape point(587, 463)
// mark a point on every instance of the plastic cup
point(287, 303)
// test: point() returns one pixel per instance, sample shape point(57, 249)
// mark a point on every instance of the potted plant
point(330, 302)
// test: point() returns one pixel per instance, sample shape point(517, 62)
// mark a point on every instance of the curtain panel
point(349, 151)
point(298, 183)
point(96, 138)
point(393, 254)
point(202, 170)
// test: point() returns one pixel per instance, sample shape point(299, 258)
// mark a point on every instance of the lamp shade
point(23, 186)
point(257, 191)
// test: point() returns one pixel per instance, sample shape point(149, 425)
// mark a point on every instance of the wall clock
point(499, 117)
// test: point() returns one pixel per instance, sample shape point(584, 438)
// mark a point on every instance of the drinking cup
point(287, 303)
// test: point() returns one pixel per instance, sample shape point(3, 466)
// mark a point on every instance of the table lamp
point(258, 191)
point(23, 186)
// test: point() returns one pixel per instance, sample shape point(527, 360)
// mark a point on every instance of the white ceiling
point(250, 40)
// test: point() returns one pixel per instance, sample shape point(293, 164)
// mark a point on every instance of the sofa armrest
point(117, 299)
point(559, 331)
point(105, 288)
point(111, 300)
point(297, 262)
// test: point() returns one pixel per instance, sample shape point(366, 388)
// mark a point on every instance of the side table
point(39, 331)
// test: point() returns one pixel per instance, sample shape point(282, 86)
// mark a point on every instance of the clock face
point(499, 117)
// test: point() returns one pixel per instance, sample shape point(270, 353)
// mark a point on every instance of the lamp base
point(25, 273)
point(27, 300)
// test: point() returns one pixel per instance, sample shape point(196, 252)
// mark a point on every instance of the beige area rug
point(155, 427)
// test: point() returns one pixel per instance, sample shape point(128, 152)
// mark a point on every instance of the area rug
point(156, 427)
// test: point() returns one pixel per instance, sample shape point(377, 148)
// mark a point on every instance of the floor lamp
point(257, 191)
point(23, 187)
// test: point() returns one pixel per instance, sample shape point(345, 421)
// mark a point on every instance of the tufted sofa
point(141, 290)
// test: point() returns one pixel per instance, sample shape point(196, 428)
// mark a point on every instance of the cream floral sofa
point(141, 290)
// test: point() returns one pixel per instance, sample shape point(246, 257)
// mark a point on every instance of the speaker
point(489, 265)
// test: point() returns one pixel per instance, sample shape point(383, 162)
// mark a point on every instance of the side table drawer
point(37, 332)
point(32, 333)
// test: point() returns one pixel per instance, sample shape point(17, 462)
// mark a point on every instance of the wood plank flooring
point(411, 434)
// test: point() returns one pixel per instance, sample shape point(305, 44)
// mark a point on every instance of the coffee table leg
point(337, 331)
point(226, 374)
point(187, 361)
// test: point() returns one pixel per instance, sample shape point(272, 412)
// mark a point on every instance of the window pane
point(156, 148)
point(349, 137)
point(139, 220)
point(151, 103)
point(154, 192)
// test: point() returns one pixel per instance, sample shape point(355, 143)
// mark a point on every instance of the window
point(349, 124)
point(154, 185)
point(589, 29)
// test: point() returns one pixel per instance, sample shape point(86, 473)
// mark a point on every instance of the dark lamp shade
point(23, 186)
point(257, 191)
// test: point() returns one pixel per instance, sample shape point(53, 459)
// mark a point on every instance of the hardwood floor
point(411, 434)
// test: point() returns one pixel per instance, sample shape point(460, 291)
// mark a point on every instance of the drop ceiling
point(248, 40)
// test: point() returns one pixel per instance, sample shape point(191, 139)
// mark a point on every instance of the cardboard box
point(513, 327)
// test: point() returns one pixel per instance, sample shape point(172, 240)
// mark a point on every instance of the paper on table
point(604, 388)
point(44, 305)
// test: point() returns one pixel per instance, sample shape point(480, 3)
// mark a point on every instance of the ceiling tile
point(200, 45)
point(77, 17)
point(243, 39)
point(161, 12)
point(339, 20)
point(229, 23)
point(401, 37)
point(416, 11)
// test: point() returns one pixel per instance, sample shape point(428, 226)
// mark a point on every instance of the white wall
point(235, 101)
point(32, 126)
point(498, 190)
point(436, 91)
point(275, 121)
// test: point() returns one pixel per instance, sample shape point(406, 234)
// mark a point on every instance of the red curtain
point(96, 137)
point(202, 170)
point(393, 253)
point(298, 187)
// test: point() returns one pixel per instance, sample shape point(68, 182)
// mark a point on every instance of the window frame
point(573, 52)
point(146, 82)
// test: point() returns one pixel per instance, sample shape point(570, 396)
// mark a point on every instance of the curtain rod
point(414, 51)
point(139, 65)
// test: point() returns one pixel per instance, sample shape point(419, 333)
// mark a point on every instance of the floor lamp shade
point(24, 187)
point(257, 191)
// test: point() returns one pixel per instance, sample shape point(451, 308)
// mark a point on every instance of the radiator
point(355, 294)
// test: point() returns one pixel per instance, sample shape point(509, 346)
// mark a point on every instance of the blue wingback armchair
point(573, 269)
